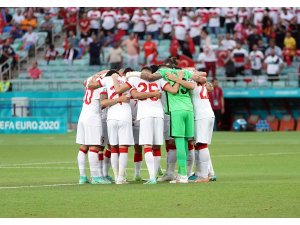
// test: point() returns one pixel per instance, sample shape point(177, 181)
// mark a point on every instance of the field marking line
point(37, 163)
point(259, 154)
point(43, 167)
point(37, 186)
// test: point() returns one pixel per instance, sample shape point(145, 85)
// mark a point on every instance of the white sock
point(156, 164)
point(137, 166)
point(211, 171)
point(204, 159)
point(197, 163)
point(101, 164)
point(149, 159)
point(123, 158)
point(190, 162)
point(115, 164)
point(106, 166)
point(171, 162)
point(94, 164)
point(81, 163)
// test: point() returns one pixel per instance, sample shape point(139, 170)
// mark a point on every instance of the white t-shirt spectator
point(95, 16)
point(202, 13)
point(137, 11)
point(273, 64)
point(242, 16)
point(123, 21)
point(297, 11)
point(109, 19)
point(239, 57)
point(181, 28)
point(258, 13)
point(152, 24)
point(228, 44)
point(215, 20)
point(167, 25)
point(274, 14)
point(231, 13)
point(85, 43)
point(210, 55)
point(173, 12)
point(32, 38)
point(196, 27)
point(200, 61)
point(256, 59)
point(139, 23)
point(286, 18)
point(158, 14)
point(115, 55)
point(18, 18)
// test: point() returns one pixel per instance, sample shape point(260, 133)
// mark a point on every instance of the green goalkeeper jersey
point(181, 100)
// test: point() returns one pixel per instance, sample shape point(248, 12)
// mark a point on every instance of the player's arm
point(144, 95)
point(103, 96)
point(182, 82)
point(150, 76)
point(110, 102)
point(119, 89)
point(209, 87)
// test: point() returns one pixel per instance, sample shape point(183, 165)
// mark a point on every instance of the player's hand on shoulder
point(171, 77)
point(181, 74)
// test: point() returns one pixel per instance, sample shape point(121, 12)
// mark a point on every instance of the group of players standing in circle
point(142, 109)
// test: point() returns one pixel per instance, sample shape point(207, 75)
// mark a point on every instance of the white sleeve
point(163, 83)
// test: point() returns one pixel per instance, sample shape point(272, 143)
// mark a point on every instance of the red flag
point(186, 61)
point(174, 47)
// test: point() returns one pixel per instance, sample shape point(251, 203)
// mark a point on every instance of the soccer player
point(89, 131)
point(150, 114)
point(204, 124)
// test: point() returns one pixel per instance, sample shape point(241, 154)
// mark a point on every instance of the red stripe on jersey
point(99, 82)
point(167, 22)
point(165, 85)
point(132, 90)
point(129, 85)
point(103, 93)
point(179, 25)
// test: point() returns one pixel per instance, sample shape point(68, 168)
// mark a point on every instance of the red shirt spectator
point(71, 22)
point(149, 47)
point(34, 71)
point(84, 24)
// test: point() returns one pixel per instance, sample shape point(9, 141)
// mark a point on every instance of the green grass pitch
point(258, 176)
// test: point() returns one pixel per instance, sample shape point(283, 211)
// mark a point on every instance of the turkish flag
point(186, 61)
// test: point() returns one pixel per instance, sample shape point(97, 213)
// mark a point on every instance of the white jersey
point(214, 20)
point(202, 106)
point(256, 59)
point(91, 99)
point(195, 28)
point(167, 25)
point(123, 21)
point(258, 13)
point(103, 111)
point(134, 106)
point(109, 19)
point(274, 14)
point(139, 23)
point(181, 28)
point(150, 107)
point(120, 111)
point(95, 16)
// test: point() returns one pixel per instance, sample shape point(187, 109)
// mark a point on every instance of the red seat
point(273, 122)
point(287, 123)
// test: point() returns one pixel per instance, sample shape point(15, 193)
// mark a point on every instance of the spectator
point(109, 18)
point(274, 64)
point(268, 27)
point(295, 31)
point(286, 17)
point(5, 85)
point(274, 14)
point(132, 50)
point(16, 32)
point(73, 39)
point(29, 21)
point(214, 20)
point(139, 24)
point(228, 43)
point(95, 48)
point(279, 35)
point(200, 65)
point(85, 43)
point(84, 26)
point(188, 47)
point(18, 17)
point(152, 27)
point(217, 104)
point(289, 48)
point(9, 52)
point(230, 19)
point(229, 67)
point(258, 14)
point(243, 15)
point(70, 54)
point(210, 61)
point(174, 12)
point(195, 30)
point(261, 46)
point(150, 50)
point(30, 39)
point(240, 56)
point(181, 28)
point(253, 38)
point(115, 58)
point(205, 39)
point(123, 23)
point(157, 14)
point(167, 26)
point(256, 58)
point(109, 39)
point(71, 22)
point(34, 72)
point(50, 53)
point(272, 46)
point(94, 16)
point(240, 32)
point(47, 26)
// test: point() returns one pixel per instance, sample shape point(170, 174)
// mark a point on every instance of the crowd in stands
point(260, 40)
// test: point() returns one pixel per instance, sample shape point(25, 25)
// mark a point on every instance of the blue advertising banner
point(33, 125)
point(262, 93)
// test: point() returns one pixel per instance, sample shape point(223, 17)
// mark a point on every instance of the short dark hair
point(128, 69)
point(146, 68)
point(111, 72)
point(154, 68)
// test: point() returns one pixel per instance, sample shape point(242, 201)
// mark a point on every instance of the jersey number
point(88, 96)
point(114, 94)
point(149, 87)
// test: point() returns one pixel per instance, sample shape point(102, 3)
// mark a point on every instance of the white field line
point(43, 167)
point(38, 186)
point(259, 154)
point(37, 163)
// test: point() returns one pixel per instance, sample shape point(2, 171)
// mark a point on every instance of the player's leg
point(125, 139)
point(112, 131)
point(211, 173)
point(190, 158)
point(95, 165)
point(83, 149)
point(146, 139)
point(101, 159)
point(138, 152)
point(158, 140)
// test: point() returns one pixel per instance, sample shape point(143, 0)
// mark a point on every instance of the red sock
point(200, 146)
point(83, 150)
point(147, 150)
point(100, 156)
point(123, 150)
point(156, 152)
point(114, 149)
point(138, 157)
point(107, 153)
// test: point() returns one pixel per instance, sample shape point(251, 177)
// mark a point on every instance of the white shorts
point(88, 135)
point(136, 132)
point(119, 132)
point(151, 131)
point(104, 136)
point(204, 130)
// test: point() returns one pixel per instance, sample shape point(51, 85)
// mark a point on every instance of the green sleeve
point(163, 73)
point(187, 74)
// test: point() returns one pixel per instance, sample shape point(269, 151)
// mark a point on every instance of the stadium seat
point(298, 124)
point(278, 84)
point(240, 84)
point(273, 122)
point(287, 123)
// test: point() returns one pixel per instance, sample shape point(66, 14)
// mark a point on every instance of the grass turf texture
point(258, 176)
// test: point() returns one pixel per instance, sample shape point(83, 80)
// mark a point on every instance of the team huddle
point(145, 109)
